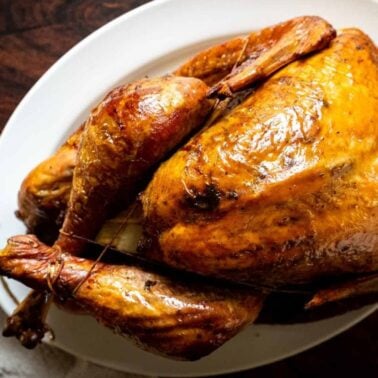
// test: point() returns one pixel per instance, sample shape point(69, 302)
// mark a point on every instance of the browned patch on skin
point(206, 200)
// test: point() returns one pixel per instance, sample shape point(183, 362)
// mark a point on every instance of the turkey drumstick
point(129, 132)
point(175, 318)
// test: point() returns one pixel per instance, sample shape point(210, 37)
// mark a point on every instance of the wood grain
point(33, 35)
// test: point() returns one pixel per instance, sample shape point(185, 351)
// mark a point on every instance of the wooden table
point(33, 35)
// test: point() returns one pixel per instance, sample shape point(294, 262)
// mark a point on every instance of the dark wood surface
point(33, 35)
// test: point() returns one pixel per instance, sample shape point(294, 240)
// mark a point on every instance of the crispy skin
point(168, 316)
point(258, 55)
point(133, 128)
point(150, 116)
point(44, 193)
point(290, 41)
point(283, 189)
point(207, 200)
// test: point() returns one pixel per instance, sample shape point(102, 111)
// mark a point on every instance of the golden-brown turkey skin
point(241, 61)
point(284, 189)
point(44, 193)
point(133, 128)
point(169, 316)
point(289, 40)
